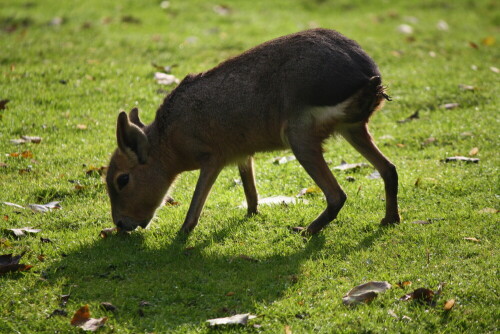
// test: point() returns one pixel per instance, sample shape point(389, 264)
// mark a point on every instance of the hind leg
point(308, 151)
point(359, 137)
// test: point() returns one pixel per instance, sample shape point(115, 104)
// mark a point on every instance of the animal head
point(133, 179)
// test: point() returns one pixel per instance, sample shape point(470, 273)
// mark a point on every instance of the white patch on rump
point(329, 113)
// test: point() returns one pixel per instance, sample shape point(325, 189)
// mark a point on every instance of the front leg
point(248, 179)
point(208, 175)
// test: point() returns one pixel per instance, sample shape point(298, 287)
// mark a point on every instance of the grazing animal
point(291, 92)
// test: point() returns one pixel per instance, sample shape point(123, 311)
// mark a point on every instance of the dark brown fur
point(294, 91)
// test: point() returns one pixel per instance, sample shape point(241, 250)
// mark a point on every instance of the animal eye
point(122, 181)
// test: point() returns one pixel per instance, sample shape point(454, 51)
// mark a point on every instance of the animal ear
point(132, 141)
point(133, 116)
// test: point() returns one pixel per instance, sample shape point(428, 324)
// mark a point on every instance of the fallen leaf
point(277, 200)
point(400, 145)
point(494, 69)
point(466, 87)
point(473, 45)
point(247, 258)
point(449, 106)
point(9, 263)
point(222, 10)
point(26, 139)
point(429, 140)
point(488, 210)
point(144, 303)
point(422, 222)
point(165, 79)
point(19, 232)
point(460, 158)
point(14, 205)
point(287, 329)
point(375, 175)
point(41, 257)
point(283, 160)
point(82, 319)
point(108, 306)
point(238, 319)
point(64, 300)
point(472, 239)
point(420, 294)
point(3, 165)
point(449, 305)
point(345, 166)
point(170, 201)
point(41, 208)
point(392, 314)
point(166, 69)
point(58, 312)
point(106, 232)
point(3, 104)
point(25, 154)
point(488, 41)
point(81, 127)
point(405, 29)
point(403, 284)
point(442, 25)
point(5, 217)
point(99, 171)
point(130, 19)
point(474, 151)
point(410, 118)
point(230, 293)
point(365, 292)
point(308, 191)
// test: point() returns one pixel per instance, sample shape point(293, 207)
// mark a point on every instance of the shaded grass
point(95, 64)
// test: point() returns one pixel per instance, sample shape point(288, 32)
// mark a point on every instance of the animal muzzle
point(126, 224)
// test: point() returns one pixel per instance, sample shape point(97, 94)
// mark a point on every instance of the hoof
point(387, 221)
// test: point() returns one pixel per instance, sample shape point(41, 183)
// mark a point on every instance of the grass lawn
point(67, 69)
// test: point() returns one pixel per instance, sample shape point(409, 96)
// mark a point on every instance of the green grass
point(93, 65)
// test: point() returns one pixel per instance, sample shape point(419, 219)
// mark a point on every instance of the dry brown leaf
point(449, 305)
point(100, 171)
point(81, 127)
point(10, 263)
point(474, 151)
point(488, 41)
point(494, 69)
point(472, 239)
point(108, 306)
point(82, 319)
point(106, 232)
point(421, 294)
point(288, 329)
point(365, 293)
point(473, 45)
point(230, 293)
point(41, 257)
point(403, 284)
point(309, 191)
point(3, 104)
